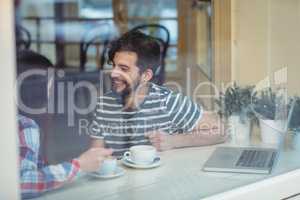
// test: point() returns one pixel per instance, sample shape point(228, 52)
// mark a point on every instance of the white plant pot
point(272, 132)
point(238, 131)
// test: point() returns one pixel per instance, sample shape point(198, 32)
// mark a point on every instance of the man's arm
point(96, 134)
point(37, 178)
point(34, 177)
point(209, 130)
point(35, 181)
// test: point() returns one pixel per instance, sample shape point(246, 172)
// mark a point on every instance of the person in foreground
point(36, 177)
point(138, 111)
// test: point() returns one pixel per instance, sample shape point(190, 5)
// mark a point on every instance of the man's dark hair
point(146, 47)
point(33, 89)
point(27, 59)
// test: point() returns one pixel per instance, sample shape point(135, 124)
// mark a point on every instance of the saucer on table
point(129, 163)
point(118, 172)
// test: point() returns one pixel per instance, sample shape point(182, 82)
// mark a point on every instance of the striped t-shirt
point(162, 109)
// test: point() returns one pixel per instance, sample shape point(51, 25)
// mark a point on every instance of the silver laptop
point(244, 159)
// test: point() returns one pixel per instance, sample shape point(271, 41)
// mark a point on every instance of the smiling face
point(135, 56)
point(125, 75)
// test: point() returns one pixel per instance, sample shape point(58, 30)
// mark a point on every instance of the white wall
point(265, 39)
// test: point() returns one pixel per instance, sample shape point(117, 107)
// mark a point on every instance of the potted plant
point(294, 124)
point(272, 122)
point(235, 106)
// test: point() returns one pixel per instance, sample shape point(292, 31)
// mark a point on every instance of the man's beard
point(127, 91)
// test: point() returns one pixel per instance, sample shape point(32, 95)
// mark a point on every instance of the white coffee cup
point(108, 166)
point(141, 154)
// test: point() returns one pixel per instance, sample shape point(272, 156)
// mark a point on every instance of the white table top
point(179, 177)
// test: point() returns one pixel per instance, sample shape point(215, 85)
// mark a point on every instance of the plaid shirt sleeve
point(35, 177)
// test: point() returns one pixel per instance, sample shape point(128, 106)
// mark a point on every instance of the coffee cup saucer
point(130, 163)
point(118, 172)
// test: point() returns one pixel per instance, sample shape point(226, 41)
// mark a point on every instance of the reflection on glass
point(152, 8)
point(95, 8)
point(74, 36)
point(32, 8)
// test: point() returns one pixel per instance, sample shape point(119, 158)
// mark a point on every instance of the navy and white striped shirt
point(162, 109)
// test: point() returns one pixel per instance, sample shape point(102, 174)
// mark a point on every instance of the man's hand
point(161, 141)
point(210, 130)
point(92, 159)
point(211, 124)
point(209, 121)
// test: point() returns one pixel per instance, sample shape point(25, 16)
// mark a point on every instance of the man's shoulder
point(25, 122)
point(159, 90)
point(167, 92)
point(109, 101)
point(28, 133)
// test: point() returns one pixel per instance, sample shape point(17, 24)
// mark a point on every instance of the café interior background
point(218, 41)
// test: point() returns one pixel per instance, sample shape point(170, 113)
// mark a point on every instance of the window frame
point(282, 186)
point(9, 172)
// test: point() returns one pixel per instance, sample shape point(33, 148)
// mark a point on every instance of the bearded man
point(138, 111)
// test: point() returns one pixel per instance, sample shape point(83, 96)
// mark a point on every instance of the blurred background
point(205, 44)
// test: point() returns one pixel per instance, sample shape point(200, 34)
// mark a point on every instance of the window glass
point(62, 49)
point(95, 8)
point(150, 8)
point(156, 12)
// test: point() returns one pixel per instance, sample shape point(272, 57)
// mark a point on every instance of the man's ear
point(147, 75)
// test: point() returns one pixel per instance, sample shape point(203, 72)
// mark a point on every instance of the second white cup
point(141, 154)
point(108, 166)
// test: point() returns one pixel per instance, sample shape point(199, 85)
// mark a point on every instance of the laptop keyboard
point(253, 158)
